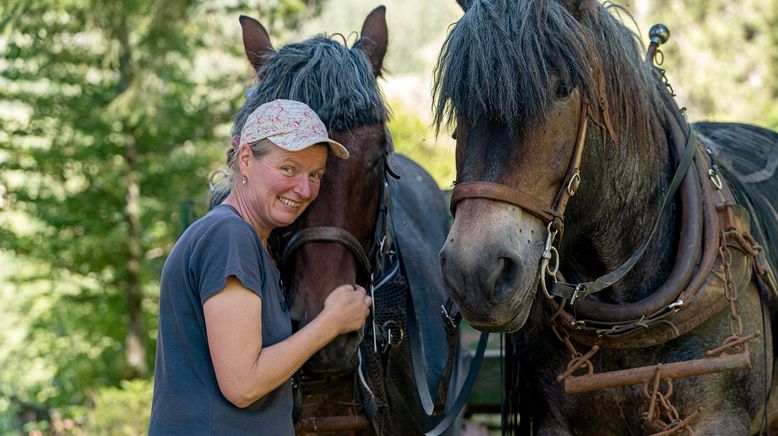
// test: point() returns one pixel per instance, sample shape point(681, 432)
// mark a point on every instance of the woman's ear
point(245, 156)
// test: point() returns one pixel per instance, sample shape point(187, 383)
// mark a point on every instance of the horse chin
point(504, 317)
point(337, 358)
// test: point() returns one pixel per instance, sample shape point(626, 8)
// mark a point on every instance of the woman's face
point(281, 184)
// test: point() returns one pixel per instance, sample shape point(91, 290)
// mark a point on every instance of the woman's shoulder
point(222, 219)
point(221, 226)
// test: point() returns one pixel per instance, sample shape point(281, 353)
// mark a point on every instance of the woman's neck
point(238, 201)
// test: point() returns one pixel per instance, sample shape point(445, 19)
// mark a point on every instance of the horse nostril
point(508, 276)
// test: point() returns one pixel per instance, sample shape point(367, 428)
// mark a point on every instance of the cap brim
point(337, 149)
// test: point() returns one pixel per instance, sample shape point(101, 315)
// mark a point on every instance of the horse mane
point(338, 83)
point(479, 74)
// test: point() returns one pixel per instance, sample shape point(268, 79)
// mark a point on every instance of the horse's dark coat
point(504, 76)
point(339, 84)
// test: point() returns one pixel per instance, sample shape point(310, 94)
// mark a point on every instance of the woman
point(225, 350)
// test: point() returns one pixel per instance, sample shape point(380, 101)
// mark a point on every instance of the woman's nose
point(303, 187)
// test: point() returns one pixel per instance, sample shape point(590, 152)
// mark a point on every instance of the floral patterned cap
point(289, 124)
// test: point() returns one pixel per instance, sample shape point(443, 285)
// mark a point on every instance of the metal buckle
point(572, 185)
point(580, 291)
point(549, 252)
point(451, 325)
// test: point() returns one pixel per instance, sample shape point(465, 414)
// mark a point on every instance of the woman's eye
point(316, 177)
point(287, 170)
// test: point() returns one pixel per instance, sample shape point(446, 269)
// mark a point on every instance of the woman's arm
point(244, 369)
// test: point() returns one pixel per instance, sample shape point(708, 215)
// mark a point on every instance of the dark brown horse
point(574, 163)
point(379, 221)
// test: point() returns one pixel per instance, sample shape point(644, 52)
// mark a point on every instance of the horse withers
point(379, 221)
point(594, 222)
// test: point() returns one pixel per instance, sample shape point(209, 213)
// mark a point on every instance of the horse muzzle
point(492, 278)
point(337, 358)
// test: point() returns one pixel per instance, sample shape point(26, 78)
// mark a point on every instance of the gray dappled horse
point(560, 232)
point(380, 220)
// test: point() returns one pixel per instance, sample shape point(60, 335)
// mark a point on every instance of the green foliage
point(721, 57)
point(108, 123)
point(416, 29)
point(122, 411)
point(413, 138)
point(112, 116)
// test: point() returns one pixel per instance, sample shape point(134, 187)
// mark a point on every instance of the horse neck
point(615, 210)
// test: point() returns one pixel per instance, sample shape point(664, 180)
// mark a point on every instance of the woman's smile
point(290, 203)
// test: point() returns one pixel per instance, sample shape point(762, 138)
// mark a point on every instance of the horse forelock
point(479, 75)
point(338, 83)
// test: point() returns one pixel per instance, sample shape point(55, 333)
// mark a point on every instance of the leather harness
point(657, 318)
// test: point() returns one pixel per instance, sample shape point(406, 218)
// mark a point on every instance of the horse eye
point(563, 91)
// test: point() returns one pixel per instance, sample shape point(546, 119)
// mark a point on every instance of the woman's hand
point(347, 307)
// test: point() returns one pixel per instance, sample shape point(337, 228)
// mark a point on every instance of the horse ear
point(465, 4)
point(256, 41)
point(374, 38)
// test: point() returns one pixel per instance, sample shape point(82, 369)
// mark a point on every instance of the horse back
point(747, 156)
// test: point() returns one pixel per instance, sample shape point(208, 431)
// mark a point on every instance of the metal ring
point(572, 185)
point(713, 175)
point(554, 255)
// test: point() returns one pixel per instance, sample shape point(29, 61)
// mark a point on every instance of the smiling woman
point(225, 350)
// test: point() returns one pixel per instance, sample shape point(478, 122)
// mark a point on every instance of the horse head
point(326, 246)
point(534, 92)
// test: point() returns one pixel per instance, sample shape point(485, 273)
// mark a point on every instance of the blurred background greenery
point(113, 113)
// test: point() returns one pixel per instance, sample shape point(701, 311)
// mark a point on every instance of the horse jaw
point(493, 277)
point(321, 267)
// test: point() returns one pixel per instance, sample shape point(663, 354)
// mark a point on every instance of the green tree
point(722, 57)
point(107, 124)
point(112, 116)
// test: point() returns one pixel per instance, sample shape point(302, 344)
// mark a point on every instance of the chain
point(659, 405)
point(577, 360)
point(730, 290)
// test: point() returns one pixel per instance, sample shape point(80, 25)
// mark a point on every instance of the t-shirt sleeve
point(229, 248)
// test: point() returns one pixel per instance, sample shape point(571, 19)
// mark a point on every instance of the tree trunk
point(135, 340)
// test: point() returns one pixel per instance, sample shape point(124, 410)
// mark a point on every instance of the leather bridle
point(370, 264)
point(553, 215)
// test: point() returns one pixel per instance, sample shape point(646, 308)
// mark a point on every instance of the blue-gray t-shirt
point(187, 399)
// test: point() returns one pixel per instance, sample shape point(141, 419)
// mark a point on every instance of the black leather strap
point(326, 234)
point(418, 362)
point(575, 292)
point(462, 397)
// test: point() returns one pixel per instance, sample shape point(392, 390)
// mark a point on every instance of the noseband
point(553, 213)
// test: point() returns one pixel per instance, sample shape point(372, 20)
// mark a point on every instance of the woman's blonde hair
point(221, 188)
